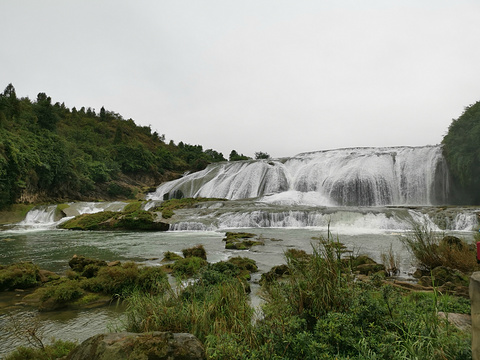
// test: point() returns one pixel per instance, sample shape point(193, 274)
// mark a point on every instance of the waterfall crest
point(343, 177)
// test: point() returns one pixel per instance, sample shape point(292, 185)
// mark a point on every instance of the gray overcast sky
point(277, 76)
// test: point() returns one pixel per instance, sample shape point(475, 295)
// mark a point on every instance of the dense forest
point(49, 152)
point(461, 147)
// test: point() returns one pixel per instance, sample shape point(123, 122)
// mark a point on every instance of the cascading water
point(344, 177)
point(48, 216)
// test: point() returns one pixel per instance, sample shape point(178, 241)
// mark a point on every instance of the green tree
point(262, 155)
point(47, 118)
point(462, 152)
point(235, 157)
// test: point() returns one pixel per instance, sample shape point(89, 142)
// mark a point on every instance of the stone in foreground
point(125, 345)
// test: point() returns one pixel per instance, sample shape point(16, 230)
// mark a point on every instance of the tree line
point(51, 151)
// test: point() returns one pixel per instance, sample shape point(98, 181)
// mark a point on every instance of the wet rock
point(125, 345)
point(369, 269)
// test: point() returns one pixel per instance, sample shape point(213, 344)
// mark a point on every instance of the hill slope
point(49, 152)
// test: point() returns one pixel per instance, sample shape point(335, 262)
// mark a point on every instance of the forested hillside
point(462, 151)
point(49, 152)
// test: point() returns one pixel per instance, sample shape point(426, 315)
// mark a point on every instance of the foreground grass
point(318, 311)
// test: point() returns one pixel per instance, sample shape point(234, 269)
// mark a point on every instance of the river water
point(51, 249)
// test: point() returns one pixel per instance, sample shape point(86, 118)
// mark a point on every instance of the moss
point(123, 279)
point(14, 213)
point(133, 206)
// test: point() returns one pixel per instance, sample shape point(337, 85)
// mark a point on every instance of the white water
point(344, 177)
point(45, 217)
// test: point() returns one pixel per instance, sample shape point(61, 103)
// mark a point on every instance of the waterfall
point(343, 177)
point(369, 220)
point(46, 217)
point(40, 216)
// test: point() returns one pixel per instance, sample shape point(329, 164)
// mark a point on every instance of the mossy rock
point(198, 251)
point(274, 273)
point(139, 220)
point(441, 275)
point(362, 260)
point(79, 263)
point(241, 244)
point(21, 275)
point(453, 242)
point(237, 235)
point(240, 241)
point(370, 269)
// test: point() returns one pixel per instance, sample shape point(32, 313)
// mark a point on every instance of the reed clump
point(433, 249)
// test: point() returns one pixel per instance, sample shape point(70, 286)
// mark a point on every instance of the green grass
point(433, 249)
point(58, 349)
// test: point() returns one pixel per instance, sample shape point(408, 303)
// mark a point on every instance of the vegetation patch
point(57, 350)
point(188, 267)
point(21, 275)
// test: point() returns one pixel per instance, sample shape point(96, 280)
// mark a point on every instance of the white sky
point(277, 76)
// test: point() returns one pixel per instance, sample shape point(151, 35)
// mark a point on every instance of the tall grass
point(315, 311)
point(433, 249)
point(202, 310)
